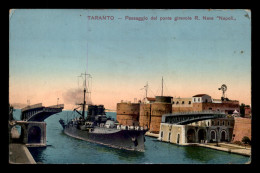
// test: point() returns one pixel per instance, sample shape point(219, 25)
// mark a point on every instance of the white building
point(201, 98)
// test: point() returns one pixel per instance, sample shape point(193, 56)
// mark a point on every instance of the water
point(63, 149)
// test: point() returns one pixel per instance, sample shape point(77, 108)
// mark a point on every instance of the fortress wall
point(158, 109)
point(128, 113)
point(144, 115)
point(242, 127)
point(221, 106)
point(182, 109)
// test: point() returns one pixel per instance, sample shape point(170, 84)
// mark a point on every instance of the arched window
point(213, 135)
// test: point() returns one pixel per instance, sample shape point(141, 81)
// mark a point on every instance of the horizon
point(50, 48)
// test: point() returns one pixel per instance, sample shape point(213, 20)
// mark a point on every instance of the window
point(161, 134)
point(182, 102)
point(212, 123)
point(173, 102)
point(218, 123)
point(194, 99)
point(228, 123)
point(199, 99)
point(223, 123)
point(177, 102)
point(210, 108)
point(169, 138)
point(189, 102)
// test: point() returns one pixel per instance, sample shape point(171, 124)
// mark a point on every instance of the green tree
point(242, 110)
point(246, 140)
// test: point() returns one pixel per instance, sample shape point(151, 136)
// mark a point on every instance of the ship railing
point(123, 127)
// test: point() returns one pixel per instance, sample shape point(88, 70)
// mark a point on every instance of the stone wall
point(226, 106)
point(170, 133)
point(157, 110)
point(151, 115)
point(128, 113)
point(242, 127)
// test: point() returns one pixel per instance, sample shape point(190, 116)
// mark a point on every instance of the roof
point(150, 98)
point(199, 95)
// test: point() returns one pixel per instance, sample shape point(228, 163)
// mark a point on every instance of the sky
point(50, 48)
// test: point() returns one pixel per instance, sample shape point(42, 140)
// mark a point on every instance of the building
point(201, 102)
point(214, 130)
point(146, 114)
point(149, 114)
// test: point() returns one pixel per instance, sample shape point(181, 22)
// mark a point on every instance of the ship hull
point(121, 139)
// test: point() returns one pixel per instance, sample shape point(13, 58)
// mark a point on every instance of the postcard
point(130, 86)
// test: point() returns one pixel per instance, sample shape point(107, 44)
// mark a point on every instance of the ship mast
point(84, 100)
point(146, 88)
point(162, 86)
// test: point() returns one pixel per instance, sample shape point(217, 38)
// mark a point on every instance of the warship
point(96, 127)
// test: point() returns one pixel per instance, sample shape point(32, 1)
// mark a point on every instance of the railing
point(196, 112)
point(191, 116)
point(56, 106)
point(32, 107)
point(123, 127)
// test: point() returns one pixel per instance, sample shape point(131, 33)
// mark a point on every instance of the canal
point(62, 149)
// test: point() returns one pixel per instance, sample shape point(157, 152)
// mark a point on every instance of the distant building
point(149, 100)
point(149, 112)
point(201, 98)
point(201, 102)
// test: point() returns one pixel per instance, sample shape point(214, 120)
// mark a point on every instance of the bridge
point(39, 113)
point(182, 118)
point(33, 127)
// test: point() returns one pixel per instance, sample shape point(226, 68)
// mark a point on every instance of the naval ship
point(96, 127)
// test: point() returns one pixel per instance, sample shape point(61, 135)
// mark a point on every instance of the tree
point(242, 110)
point(246, 140)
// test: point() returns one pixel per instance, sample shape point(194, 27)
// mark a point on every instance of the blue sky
point(49, 49)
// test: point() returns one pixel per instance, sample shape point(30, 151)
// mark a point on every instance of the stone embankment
point(19, 153)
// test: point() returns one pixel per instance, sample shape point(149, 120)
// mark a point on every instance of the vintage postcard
point(130, 86)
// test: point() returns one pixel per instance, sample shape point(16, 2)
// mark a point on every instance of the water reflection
point(198, 153)
point(121, 154)
point(38, 153)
